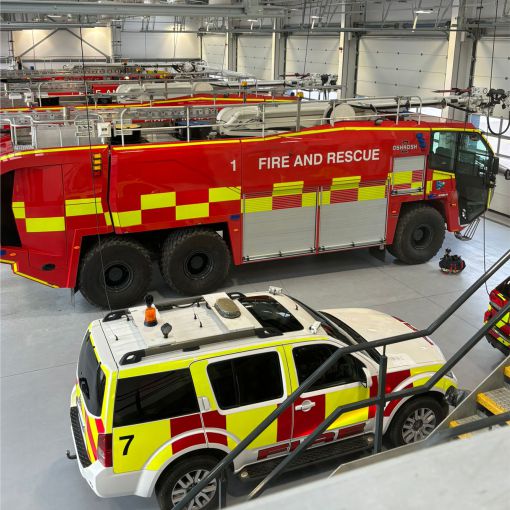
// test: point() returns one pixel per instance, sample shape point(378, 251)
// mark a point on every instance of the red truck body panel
point(58, 199)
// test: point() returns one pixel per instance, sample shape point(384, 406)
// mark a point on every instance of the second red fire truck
point(93, 217)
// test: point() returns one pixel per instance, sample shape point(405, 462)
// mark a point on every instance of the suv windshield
point(91, 377)
point(271, 314)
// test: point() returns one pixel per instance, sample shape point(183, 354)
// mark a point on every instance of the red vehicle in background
point(499, 335)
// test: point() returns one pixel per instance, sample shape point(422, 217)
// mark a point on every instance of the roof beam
point(248, 8)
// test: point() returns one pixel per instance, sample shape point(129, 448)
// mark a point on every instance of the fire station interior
point(326, 239)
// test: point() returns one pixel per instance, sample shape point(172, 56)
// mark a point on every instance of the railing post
point(298, 118)
point(222, 490)
point(187, 124)
point(381, 392)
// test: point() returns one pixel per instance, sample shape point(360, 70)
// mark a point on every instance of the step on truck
point(88, 204)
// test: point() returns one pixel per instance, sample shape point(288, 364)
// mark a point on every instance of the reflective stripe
point(55, 224)
point(83, 206)
point(242, 422)
point(18, 209)
point(148, 438)
point(371, 193)
point(224, 194)
point(252, 205)
point(157, 200)
point(127, 218)
point(191, 211)
point(287, 188)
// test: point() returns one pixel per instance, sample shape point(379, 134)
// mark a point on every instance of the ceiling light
point(53, 15)
point(424, 11)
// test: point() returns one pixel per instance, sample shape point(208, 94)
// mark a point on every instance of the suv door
point(344, 383)
point(237, 392)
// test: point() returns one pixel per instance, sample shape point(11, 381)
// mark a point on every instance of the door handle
point(305, 406)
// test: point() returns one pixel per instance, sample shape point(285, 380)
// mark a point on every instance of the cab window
point(442, 151)
point(91, 378)
point(473, 155)
point(309, 358)
point(154, 397)
point(246, 380)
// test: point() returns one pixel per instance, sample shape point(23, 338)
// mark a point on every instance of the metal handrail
point(218, 470)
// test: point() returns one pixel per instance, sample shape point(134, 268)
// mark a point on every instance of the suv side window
point(310, 357)
point(246, 380)
point(154, 397)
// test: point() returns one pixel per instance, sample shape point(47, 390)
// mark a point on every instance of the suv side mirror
point(507, 174)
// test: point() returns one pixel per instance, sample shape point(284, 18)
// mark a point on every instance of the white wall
point(389, 66)
point(214, 50)
point(320, 56)
point(254, 56)
point(61, 45)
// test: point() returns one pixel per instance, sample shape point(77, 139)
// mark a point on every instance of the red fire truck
point(93, 217)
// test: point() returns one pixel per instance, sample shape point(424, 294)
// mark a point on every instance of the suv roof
point(197, 324)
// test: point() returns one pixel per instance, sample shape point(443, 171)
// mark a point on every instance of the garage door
point(388, 67)
point(319, 56)
point(214, 50)
point(254, 56)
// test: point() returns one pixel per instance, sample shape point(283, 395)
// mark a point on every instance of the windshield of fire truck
point(91, 378)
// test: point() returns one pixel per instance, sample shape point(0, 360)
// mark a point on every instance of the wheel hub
point(197, 265)
point(118, 276)
point(418, 425)
point(421, 237)
point(187, 482)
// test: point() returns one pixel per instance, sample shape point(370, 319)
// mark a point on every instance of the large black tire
point(415, 420)
point(182, 477)
point(419, 235)
point(195, 262)
point(117, 267)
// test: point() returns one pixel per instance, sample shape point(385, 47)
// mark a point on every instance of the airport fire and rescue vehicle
point(499, 335)
point(163, 393)
point(88, 205)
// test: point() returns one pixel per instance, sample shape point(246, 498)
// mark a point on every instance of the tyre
point(195, 262)
point(415, 421)
point(115, 273)
point(419, 235)
point(182, 478)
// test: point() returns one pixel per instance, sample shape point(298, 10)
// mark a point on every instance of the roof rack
point(168, 305)
point(136, 356)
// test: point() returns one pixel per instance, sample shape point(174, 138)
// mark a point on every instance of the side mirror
point(368, 378)
point(507, 174)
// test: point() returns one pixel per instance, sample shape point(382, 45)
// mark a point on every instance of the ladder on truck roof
point(224, 120)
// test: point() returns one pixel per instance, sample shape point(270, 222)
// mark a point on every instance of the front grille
point(81, 449)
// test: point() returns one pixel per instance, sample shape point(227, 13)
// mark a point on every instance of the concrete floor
point(41, 332)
